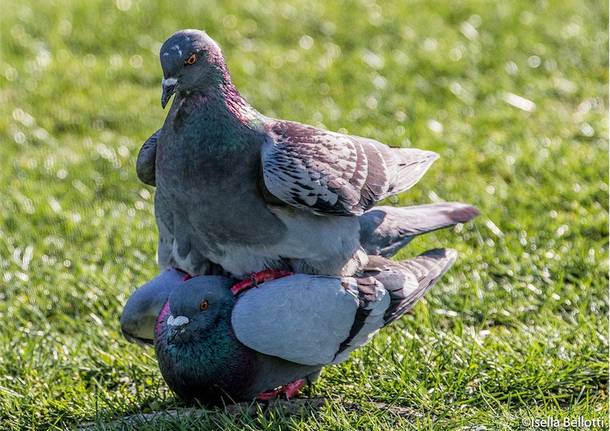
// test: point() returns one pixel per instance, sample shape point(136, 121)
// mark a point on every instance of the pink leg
point(257, 278)
point(289, 391)
point(269, 395)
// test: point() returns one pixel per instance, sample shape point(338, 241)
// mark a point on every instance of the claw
point(288, 391)
point(257, 278)
point(292, 389)
point(268, 395)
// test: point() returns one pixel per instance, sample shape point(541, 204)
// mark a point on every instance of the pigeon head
point(197, 307)
point(190, 60)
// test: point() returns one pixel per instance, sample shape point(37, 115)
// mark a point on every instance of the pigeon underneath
point(246, 192)
point(216, 348)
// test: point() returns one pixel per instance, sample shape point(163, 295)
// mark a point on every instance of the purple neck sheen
point(162, 316)
point(235, 104)
point(228, 94)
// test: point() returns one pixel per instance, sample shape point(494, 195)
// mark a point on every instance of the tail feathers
point(410, 166)
point(385, 230)
point(430, 266)
point(407, 281)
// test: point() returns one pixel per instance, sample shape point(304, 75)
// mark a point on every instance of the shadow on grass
point(245, 414)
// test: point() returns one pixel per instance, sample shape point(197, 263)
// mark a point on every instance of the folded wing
point(146, 161)
point(317, 320)
point(331, 173)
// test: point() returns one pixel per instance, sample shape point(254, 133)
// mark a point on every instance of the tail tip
point(464, 213)
point(430, 156)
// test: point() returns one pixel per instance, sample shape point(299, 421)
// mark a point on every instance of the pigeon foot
point(288, 391)
point(257, 278)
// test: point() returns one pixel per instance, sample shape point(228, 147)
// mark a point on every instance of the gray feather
point(385, 230)
point(407, 281)
point(143, 306)
point(316, 320)
point(330, 173)
point(369, 318)
point(145, 163)
point(300, 318)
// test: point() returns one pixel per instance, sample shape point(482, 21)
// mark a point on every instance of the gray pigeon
point(213, 347)
point(250, 193)
point(383, 231)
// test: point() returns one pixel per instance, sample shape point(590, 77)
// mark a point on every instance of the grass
point(517, 329)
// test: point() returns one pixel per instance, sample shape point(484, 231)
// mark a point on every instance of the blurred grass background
point(513, 95)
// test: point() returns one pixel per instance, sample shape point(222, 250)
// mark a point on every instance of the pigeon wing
point(407, 281)
point(146, 161)
point(143, 306)
point(307, 319)
point(331, 173)
point(318, 320)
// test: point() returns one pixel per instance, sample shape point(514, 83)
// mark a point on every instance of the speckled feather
point(332, 173)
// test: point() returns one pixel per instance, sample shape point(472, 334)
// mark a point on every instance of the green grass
point(517, 329)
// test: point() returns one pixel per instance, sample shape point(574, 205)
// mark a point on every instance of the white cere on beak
point(177, 321)
point(169, 81)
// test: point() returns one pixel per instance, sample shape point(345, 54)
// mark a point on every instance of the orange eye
point(204, 305)
point(191, 60)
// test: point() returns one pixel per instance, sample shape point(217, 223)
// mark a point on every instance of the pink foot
point(292, 389)
point(289, 391)
point(257, 278)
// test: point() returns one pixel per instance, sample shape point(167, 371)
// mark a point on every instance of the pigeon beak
point(138, 340)
point(169, 87)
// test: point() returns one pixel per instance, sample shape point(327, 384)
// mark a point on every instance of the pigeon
point(384, 230)
point(249, 193)
point(214, 347)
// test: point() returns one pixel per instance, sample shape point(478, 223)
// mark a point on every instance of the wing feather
point(306, 318)
point(331, 173)
point(318, 320)
point(146, 161)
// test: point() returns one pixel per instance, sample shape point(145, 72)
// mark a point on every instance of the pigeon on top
point(247, 192)
point(214, 347)
point(383, 232)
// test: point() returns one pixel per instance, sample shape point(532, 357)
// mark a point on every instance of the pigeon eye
point(204, 305)
point(191, 60)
